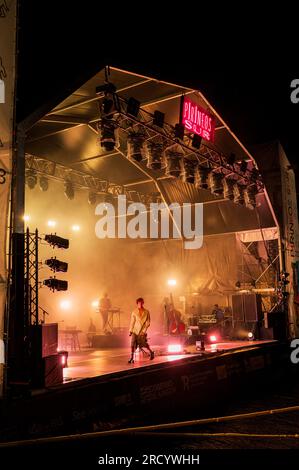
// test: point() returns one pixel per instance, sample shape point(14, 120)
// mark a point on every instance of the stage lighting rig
point(215, 183)
point(31, 179)
point(238, 194)
point(201, 177)
point(179, 131)
point(43, 183)
point(56, 284)
point(174, 157)
point(57, 242)
point(250, 196)
point(56, 265)
point(155, 156)
point(135, 146)
point(243, 166)
point(231, 159)
point(69, 190)
point(133, 107)
point(228, 188)
point(92, 198)
point(188, 170)
point(158, 119)
point(196, 141)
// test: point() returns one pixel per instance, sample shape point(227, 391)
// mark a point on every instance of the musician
point(105, 305)
point(219, 313)
point(140, 322)
point(176, 325)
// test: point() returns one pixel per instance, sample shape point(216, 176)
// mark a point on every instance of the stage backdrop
point(7, 80)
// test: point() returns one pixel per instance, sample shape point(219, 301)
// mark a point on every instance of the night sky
point(244, 66)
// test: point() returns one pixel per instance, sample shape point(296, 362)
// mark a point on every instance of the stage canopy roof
point(66, 133)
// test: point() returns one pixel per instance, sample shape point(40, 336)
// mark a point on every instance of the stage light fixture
point(201, 177)
point(238, 284)
point(158, 119)
point(69, 190)
point(228, 188)
point(65, 304)
point(155, 156)
point(92, 198)
point(26, 218)
point(250, 336)
point(213, 338)
point(107, 128)
point(196, 141)
point(76, 228)
point(238, 194)
point(31, 179)
point(57, 242)
point(171, 282)
point(43, 183)
point(56, 284)
point(51, 223)
point(215, 183)
point(95, 304)
point(56, 265)
point(106, 198)
point(133, 107)
point(254, 174)
point(188, 170)
point(179, 131)
point(231, 159)
point(135, 146)
point(250, 196)
point(175, 348)
point(173, 162)
point(243, 166)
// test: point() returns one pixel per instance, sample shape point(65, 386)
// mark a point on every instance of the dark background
point(243, 60)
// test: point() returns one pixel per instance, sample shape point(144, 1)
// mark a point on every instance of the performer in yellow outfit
point(140, 321)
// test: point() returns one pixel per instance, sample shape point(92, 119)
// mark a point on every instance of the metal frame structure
point(31, 278)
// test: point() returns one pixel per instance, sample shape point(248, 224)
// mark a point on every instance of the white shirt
point(140, 323)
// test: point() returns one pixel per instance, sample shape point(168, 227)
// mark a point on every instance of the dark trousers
point(139, 340)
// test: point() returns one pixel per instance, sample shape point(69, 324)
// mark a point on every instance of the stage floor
point(97, 362)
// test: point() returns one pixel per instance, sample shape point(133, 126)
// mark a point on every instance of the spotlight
point(51, 223)
point(133, 107)
point(250, 336)
point(95, 303)
point(238, 284)
point(196, 141)
point(69, 190)
point(228, 188)
point(188, 171)
point(238, 194)
point(107, 134)
point(56, 265)
point(173, 162)
point(43, 183)
point(155, 157)
point(135, 146)
point(56, 241)
point(215, 183)
point(231, 159)
point(63, 358)
point(213, 338)
point(201, 177)
point(31, 179)
point(26, 218)
point(171, 282)
point(158, 119)
point(250, 196)
point(179, 131)
point(65, 304)
point(75, 228)
point(174, 348)
point(56, 284)
point(243, 166)
point(92, 198)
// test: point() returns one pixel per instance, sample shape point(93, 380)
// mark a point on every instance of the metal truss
point(79, 179)
point(166, 136)
point(31, 278)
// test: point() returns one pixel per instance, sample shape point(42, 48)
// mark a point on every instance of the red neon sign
point(198, 120)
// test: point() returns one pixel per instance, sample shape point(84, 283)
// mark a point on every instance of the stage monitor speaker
point(44, 339)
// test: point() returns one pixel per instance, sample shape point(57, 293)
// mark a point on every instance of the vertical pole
point(36, 277)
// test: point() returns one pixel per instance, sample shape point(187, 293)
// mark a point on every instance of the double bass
point(176, 325)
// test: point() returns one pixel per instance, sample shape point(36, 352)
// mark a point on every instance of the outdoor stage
point(102, 391)
point(95, 362)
